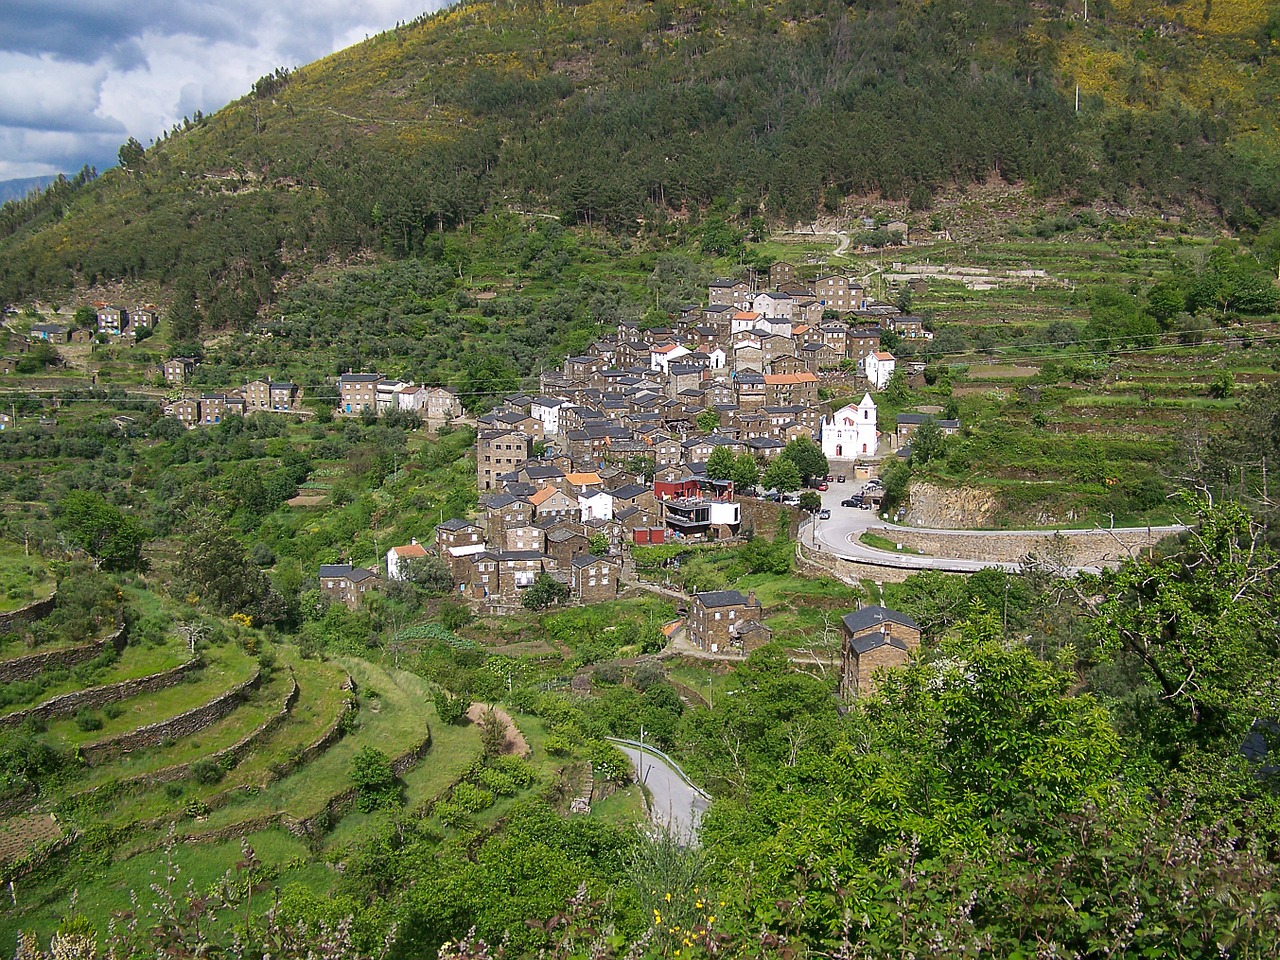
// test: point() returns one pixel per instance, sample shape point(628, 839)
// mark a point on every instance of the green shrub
point(87, 720)
point(472, 798)
point(207, 772)
point(113, 711)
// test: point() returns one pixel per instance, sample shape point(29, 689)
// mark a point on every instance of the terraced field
point(286, 751)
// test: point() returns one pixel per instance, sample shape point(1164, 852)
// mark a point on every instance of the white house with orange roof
point(743, 321)
point(877, 367)
point(661, 357)
point(399, 559)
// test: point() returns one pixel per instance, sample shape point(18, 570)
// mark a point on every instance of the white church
point(851, 431)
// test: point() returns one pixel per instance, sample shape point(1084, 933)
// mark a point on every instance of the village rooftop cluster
point(614, 448)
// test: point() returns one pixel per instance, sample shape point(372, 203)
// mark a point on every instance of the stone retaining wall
point(307, 826)
point(221, 799)
point(819, 563)
point(24, 668)
point(340, 804)
point(183, 725)
point(36, 610)
point(96, 697)
point(234, 753)
point(1087, 549)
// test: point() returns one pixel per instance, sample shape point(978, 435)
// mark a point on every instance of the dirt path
point(516, 743)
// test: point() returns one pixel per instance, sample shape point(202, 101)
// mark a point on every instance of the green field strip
point(132, 664)
point(223, 668)
point(259, 706)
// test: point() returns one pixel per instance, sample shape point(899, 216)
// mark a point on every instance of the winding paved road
point(840, 535)
point(675, 803)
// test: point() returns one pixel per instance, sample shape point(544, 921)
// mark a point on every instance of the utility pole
point(643, 772)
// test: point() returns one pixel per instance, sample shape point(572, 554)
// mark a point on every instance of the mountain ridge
point(627, 116)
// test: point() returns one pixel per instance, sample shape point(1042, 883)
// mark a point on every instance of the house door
point(839, 450)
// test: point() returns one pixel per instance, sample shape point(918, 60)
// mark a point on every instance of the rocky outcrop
point(951, 508)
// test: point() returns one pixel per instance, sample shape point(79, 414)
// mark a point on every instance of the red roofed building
point(399, 559)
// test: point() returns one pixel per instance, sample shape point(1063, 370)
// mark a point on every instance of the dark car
point(840, 479)
point(830, 478)
point(851, 502)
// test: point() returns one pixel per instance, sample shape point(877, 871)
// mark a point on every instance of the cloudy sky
point(79, 77)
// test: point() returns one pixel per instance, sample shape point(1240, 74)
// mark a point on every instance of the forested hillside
point(638, 116)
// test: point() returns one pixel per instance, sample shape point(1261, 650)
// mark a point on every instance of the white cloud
point(78, 77)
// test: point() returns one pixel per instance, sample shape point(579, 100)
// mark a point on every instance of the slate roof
point(345, 571)
point(586, 559)
point(455, 524)
point(871, 617)
point(630, 491)
point(722, 598)
point(918, 418)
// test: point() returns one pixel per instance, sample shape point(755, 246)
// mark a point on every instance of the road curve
point(675, 803)
point(839, 536)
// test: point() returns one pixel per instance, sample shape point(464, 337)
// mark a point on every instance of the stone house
point(456, 541)
point(781, 274)
point(51, 332)
point(862, 342)
point(820, 356)
point(499, 452)
point(143, 318)
point(554, 502)
point(908, 423)
point(791, 389)
point(729, 293)
point(213, 408)
point(717, 618)
point(523, 536)
point(185, 411)
point(177, 369)
point(112, 320)
point(517, 570)
point(789, 364)
point(442, 403)
point(358, 392)
point(836, 336)
point(502, 511)
point(563, 544)
point(750, 387)
point(875, 638)
point(594, 579)
point(347, 584)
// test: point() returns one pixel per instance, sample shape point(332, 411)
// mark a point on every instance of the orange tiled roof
point(412, 550)
point(543, 495)
point(583, 479)
point(787, 379)
point(746, 315)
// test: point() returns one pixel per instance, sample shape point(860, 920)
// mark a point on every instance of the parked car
point(820, 485)
point(840, 479)
point(824, 514)
point(791, 499)
point(851, 502)
point(874, 483)
point(865, 506)
point(829, 478)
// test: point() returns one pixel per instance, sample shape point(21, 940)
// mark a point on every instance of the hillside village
point(652, 436)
